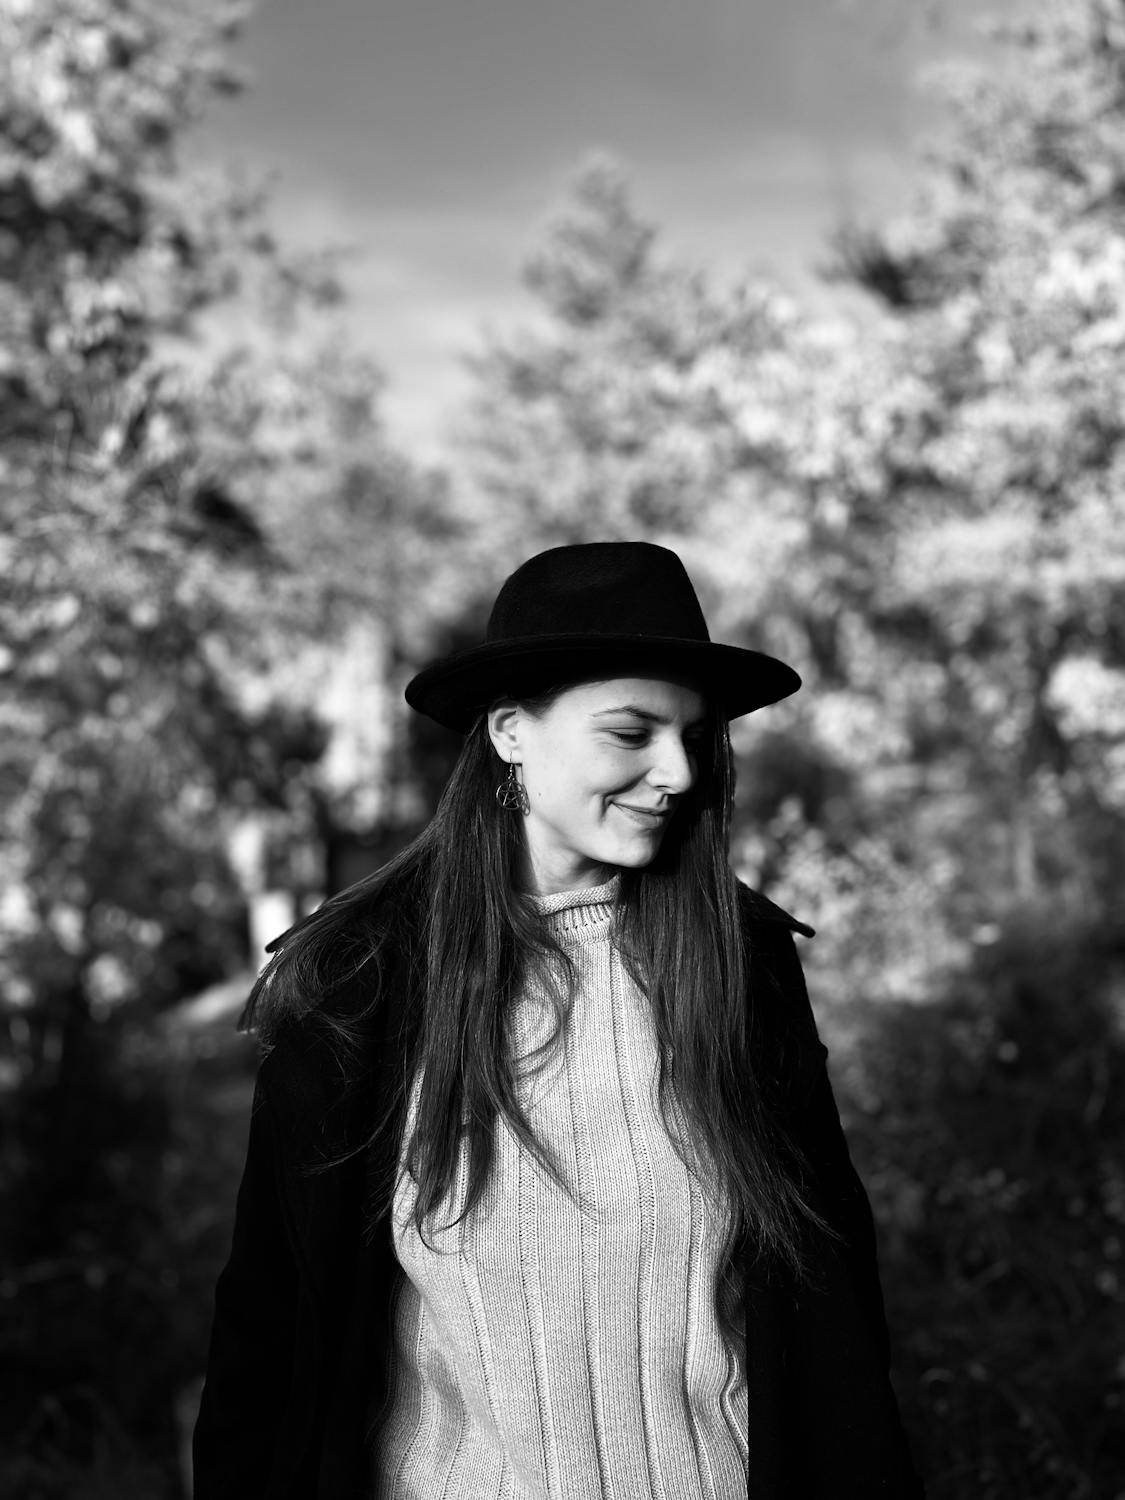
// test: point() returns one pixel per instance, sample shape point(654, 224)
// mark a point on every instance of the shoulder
point(329, 1073)
point(783, 1024)
point(333, 966)
point(768, 932)
point(759, 911)
point(338, 1052)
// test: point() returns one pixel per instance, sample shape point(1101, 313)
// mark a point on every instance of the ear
point(503, 730)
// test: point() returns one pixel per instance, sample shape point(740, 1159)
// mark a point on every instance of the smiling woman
point(546, 1193)
point(605, 765)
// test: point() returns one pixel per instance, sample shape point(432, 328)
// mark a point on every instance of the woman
point(546, 1192)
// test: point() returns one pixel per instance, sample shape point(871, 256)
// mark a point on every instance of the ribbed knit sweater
point(548, 1349)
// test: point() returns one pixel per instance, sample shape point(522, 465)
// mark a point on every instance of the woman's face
point(604, 767)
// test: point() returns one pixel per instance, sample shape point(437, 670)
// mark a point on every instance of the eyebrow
point(646, 713)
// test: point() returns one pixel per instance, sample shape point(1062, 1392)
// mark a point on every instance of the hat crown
point(594, 610)
point(606, 588)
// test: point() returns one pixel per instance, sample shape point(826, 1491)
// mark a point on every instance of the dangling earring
point(511, 794)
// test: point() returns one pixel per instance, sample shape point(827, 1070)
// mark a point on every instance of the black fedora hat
point(598, 609)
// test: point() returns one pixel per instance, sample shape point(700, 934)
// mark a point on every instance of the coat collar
point(759, 908)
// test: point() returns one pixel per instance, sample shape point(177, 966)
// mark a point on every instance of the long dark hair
point(451, 901)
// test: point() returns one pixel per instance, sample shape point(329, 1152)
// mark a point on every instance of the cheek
point(577, 779)
point(617, 772)
point(575, 794)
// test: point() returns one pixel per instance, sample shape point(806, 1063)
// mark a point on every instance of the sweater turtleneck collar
point(575, 911)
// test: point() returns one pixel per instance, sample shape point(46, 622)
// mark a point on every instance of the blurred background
point(827, 296)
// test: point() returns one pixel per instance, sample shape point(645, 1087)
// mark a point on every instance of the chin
point(633, 857)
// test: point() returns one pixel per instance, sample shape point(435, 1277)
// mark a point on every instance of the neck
point(540, 878)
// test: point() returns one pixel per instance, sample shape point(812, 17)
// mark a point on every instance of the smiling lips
point(646, 817)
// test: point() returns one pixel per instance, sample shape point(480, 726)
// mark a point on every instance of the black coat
point(302, 1308)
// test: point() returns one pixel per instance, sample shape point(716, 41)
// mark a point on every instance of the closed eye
point(638, 737)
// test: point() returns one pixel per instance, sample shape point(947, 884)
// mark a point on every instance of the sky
point(431, 138)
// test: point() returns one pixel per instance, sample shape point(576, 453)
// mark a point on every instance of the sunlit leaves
point(194, 490)
point(923, 510)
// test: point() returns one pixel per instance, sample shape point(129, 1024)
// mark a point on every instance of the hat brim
point(456, 689)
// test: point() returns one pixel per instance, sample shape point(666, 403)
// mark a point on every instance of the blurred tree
point(920, 508)
point(924, 512)
point(199, 514)
point(646, 401)
point(1003, 453)
point(988, 1125)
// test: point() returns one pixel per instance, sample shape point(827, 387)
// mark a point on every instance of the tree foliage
point(922, 509)
point(216, 575)
point(197, 502)
point(1006, 285)
point(726, 422)
point(183, 516)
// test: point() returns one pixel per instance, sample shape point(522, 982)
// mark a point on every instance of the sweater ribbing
point(556, 1347)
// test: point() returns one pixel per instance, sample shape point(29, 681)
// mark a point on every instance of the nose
point(673, 769)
